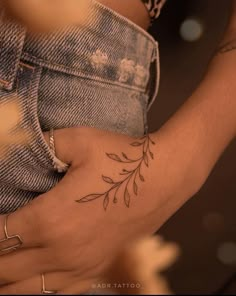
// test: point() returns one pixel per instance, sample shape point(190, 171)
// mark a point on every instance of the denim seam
point(46, 154)
point(70, 71)
point(156, 60)
point(10, 74)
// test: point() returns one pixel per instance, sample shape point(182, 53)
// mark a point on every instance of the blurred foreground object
point(191, 29)
point(137, 271)
point(227, 253)
point(10, 131)
point(47, 15)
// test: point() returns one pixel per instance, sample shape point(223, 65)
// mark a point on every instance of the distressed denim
point(104, 74)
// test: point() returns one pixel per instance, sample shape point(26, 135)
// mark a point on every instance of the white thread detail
point(126, 70)
point(99, 59)
point(59, 165)
point(141, 75)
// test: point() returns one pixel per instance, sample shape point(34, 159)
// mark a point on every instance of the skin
point(74, 250)
point(135, 11)
point(44, 15)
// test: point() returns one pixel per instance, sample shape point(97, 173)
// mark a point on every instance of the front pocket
point(27, 87)
point(26, 170)
point(69, 101)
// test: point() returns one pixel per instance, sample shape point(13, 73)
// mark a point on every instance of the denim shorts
point(104, 74)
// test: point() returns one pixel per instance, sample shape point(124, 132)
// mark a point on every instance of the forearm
point(189, 144)
point(187, 147)
point(154, 185)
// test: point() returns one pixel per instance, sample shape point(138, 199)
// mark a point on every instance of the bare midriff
point(134, 10)
point(45, 16)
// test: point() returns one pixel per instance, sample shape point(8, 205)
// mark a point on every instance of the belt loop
point(156, 80)
point(12, 37)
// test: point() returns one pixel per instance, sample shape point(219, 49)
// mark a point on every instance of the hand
point(71, 242)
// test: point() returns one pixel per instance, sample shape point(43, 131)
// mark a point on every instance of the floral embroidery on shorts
point(99, 59)
point(141, 76)
point(127, 70)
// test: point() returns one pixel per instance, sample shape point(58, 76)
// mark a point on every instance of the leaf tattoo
point(131, 177)
point(114, 157)
point(107, 180)
point(135, 188)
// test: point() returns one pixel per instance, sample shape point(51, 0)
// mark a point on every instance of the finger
point(25, 223)
point(64, 140)
point(33, 223)
point(81, 287)
point(33, 286)
point(24, 264)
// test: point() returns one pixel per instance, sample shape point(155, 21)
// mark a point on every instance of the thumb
point(69, 146)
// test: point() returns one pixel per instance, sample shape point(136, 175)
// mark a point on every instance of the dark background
point(208, 220)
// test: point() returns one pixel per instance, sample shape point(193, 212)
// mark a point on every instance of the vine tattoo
point(130, 177)
point(228, 46)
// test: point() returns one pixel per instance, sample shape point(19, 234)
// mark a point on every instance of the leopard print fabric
point(154, 8)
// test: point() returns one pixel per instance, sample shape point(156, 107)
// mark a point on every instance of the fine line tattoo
point(226, 47)
point(129, 176)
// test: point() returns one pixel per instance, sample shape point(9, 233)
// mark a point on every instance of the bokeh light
point(226, 253)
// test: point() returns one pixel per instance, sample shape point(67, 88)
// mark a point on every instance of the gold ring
point(44, 290)
point(11, 242)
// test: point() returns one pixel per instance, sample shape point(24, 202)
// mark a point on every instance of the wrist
point(168, 184)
